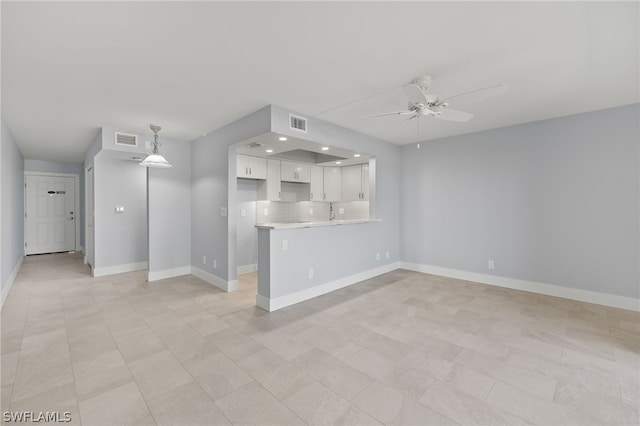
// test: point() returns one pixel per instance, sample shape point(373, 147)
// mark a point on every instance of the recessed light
point(338, 162)
point(282, 138)
point(325, 148)
point(356, 155)
point(269, 150)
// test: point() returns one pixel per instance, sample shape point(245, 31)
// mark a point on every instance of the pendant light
point(155, 159)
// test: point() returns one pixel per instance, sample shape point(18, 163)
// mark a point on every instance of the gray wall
point(12, 206)
point(213, 235)
point(62, 167)
point(120, 238)
point(554, 201)
point(247, 233)
point(339, 251)
point(170, 208)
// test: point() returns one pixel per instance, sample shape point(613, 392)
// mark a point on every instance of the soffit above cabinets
point(299, 150)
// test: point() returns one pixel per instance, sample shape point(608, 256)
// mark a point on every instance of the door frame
point(76, 180)
point(87, 211)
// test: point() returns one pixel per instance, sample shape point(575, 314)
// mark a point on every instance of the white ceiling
point(192, 67)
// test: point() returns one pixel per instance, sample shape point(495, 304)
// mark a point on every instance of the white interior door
point(50, 214)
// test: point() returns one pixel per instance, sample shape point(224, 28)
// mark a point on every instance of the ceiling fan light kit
point(421, 104)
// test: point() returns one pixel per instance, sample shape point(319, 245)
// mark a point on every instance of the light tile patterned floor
point(402, 348)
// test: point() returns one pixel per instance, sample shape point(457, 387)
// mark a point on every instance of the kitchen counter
point(296, 225)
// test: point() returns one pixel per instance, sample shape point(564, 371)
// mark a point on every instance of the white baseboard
point(168, 273)
point(227, 286)
point(300, 296)
point(119, 269)
point(597, 298)
point(246, 269)
point(6, 286)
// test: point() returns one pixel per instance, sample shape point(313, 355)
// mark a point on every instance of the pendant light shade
point(155, 159)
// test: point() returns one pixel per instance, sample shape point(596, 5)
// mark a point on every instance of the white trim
point(76, 178)
point(119, 269)
point(227, 286)
point(302, 295)
point(597, 298)
point(7, 285)
point(246, 269)
point(168, 273)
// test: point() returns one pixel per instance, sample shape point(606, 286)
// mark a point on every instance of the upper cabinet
point(316, 187)
point(251, 167)
point(355, 182)
point(271, 188)
point(294, 172)
point(331, 182)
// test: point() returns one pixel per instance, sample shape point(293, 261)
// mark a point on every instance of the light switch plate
point(223, 211)
point(243, 212)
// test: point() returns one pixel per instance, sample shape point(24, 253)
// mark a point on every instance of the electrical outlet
point(215, 263)
point(310, 211)
point(491, 264)
point(204, 260)
point(377, 256)
point(341, 210)
point(265, 212)
point(388, 255)
point(285, 245)
point(223, 211)
point(310, 273)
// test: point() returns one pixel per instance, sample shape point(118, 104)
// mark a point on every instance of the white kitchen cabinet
point(316, 187)
point(355, 182)
point(249, 167)
point(270, 189)
point(332, 183)
point(294, 172)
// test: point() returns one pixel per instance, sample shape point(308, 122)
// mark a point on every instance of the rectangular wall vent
point(126, 139)
point(298, 123)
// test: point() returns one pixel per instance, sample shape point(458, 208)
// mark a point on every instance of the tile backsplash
point(305, 211)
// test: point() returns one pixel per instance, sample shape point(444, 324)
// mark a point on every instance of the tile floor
point(402, 348)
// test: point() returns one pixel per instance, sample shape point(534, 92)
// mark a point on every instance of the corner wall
point(11, 209)
point(210, 181)
point(551, 202)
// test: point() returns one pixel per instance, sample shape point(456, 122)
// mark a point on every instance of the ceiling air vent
point(126, 139)
point(298, 123)
point(254, 145)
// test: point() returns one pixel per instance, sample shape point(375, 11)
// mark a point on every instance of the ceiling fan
point(422, 104)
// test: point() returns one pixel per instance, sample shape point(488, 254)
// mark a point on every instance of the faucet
point(332, 214)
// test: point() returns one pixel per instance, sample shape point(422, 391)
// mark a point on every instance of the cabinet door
point(270, 188)
point(365, 181)
point(352, 183)
point(242, 165)
point(287, 171)
point(257, 168)
point(302, 173)
point(332, 185)
point(316, 185)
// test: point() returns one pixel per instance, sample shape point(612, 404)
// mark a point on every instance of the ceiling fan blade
point(387, 114)
point(478, 94)
point(454, 115)
point(414, 94)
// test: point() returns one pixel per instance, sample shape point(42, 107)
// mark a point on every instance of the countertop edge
point(277, 226)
